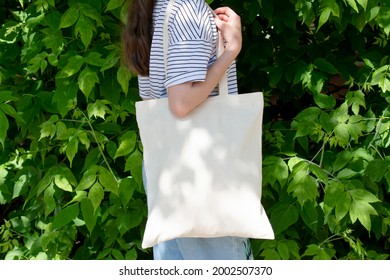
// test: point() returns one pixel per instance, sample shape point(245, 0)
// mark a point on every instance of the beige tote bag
point(203, 171)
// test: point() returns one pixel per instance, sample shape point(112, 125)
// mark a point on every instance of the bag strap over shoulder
point(223, 83)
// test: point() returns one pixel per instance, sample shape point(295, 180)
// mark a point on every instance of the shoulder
point(193, 17)
point(191, 3)
point(191, 9)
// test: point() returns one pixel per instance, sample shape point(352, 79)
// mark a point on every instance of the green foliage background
point(70, 155)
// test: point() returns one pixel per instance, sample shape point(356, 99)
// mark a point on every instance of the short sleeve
point(191, 43)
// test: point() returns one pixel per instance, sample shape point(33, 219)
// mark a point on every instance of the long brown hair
point(137, 36)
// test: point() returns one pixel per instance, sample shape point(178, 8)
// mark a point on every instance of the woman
point(191, 76)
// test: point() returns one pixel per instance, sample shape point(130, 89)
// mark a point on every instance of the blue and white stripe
point(192, 48)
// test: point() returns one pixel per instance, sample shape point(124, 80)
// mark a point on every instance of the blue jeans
point(219, 248)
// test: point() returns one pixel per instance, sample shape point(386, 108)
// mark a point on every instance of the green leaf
point(80, 196)
point(352, 3)
point(359, 21)
point(89, 178)
point(283, 250)
point(275, 169)
point(71, 149)
point(329, 7)
point(383, 18)
point(131, 254)
point(362, 210)
point(62, 132)
point(341, 114)
point(324, 65)
point(310, 114)
point(318, 252)
point(96, 195)
point(312, 249)
point(127, 187)
point(10, 111)
point(283, 215)
point(9, 31)
point(98, 109)
point(325, 101)
point(92, 13)
point(341, 133)
point(23, 179)
point(363, 3)
point(48, 197)
point(124, 76)
point(70, 17)
point(384, 130)
point(325, 14)
point(6, 96)
point(111, 148)
point(48, 128)
point(87, 81)
point(346, 173)
point(319, 172)
point(44, 182)
point(63, 183)
point(127, 143)
point(134, 165)
point(108, 180)
point(111, 60)
point(303, 186)
point(370, 15)
point(94, 58)
point(293, 248)
point(65, 95)
point(92, 159)
point(356, 99)
point(368, 63)
point(84, 28)
point(130, 219)
point(4, 125)
point(380, 76)
point(363, 195)
point(363, 153)
point(376, 169)
point(304, 128)
point(35, 63)
point(72, 67)
point(275, 75)
point(114, 4)
point(270, 254)
point(89, 215)
point(387, 177)
point(65, 216)
point(343, 205)
point(313, 80)
point(342, 159)
point(309, 215)
point(83, 137)
point(332, 192)
point(117, 254)
point(307, 12)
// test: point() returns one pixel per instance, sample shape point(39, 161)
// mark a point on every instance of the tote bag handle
point(223, 83)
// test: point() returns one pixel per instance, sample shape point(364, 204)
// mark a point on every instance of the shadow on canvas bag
point(203, 171)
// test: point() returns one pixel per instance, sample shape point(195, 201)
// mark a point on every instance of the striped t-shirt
point(192, 48)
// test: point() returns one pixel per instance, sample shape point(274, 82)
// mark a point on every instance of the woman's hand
point(229, 23)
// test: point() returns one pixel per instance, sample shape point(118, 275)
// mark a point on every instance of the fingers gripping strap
point(223, 83)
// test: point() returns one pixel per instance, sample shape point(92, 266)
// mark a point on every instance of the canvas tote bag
point(203, 171)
